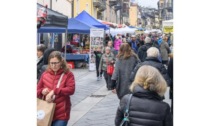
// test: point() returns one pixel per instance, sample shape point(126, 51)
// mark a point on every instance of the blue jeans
point(59, 123)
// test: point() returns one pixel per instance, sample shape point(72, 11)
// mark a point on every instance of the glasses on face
point(54, 63)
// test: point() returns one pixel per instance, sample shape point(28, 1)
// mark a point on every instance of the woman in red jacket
point(61, 96)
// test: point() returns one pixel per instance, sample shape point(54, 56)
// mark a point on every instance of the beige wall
point(61, 6)
point(80, 5)
point(133, 15)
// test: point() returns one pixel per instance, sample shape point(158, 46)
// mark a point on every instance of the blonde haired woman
point(146, 105)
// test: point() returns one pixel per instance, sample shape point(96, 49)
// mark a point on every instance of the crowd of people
point(143, 69)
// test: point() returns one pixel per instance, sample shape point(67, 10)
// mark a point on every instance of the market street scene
point(105, 62)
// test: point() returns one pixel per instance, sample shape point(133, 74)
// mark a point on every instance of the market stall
point(87, 18)
point(54, 22)
point(168, 26)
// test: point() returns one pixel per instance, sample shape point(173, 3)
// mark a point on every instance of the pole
point(65, 43)
point(50, 4)
point(72, 8)
point(121, 5)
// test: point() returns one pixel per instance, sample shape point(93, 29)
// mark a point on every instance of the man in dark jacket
point(152, 60)
point(134, 43)
point(142, 52)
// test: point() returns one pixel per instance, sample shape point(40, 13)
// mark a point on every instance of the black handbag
point(125, 121)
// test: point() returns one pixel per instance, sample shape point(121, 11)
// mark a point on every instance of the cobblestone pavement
point(93, 111)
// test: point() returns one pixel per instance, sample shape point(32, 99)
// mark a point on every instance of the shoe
point(98, 78)
point(101, 77)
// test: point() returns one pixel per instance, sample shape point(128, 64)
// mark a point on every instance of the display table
point(77, 57)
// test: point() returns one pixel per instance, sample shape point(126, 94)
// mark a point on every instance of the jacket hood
point(146, 46)
point(46, 55)
point(153, 59)
point(142, 93)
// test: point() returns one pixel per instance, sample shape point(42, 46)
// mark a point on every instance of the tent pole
point(65, 44)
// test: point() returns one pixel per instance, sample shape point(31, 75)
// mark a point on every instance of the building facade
point(61, 6)
point(133, 14)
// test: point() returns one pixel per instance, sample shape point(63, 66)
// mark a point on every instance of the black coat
point(142, 52)
point(152, 61)
point(39, 66)
point(170, 73)
point(146, 109)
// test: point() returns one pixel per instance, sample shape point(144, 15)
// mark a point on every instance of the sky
point(148, 3)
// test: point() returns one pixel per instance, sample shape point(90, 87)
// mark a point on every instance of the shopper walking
point(46, 88)
point(107, 59)
point(125, 63)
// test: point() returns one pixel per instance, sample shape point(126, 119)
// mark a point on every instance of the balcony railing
point(112, 2)
point(97, 3)
point(100, 4)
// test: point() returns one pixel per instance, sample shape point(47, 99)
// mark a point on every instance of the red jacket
point(49, 79)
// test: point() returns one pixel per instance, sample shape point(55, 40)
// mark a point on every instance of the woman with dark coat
point(126, 61)
point(146, 106)
point(152, 60)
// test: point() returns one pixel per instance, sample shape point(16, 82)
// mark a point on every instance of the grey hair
point(153, 52)
point(147, 40)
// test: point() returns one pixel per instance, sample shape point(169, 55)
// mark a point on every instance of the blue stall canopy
point(76, 26)
point(51, 30)
point(85, 17)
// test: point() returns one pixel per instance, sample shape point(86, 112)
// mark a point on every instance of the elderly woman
point(107, 59)
point(146, 105)
point(57, 69)
point(152, 59)
point(126, 61)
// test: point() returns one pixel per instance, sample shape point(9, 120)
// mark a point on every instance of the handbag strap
point(59, 81)
point(126, 113)
point(58, 85)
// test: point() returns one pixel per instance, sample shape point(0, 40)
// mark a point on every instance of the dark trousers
point(108, 77)
point(59, 123)
point(97, 70)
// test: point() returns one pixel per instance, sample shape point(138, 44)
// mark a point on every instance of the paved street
point(92, 103)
